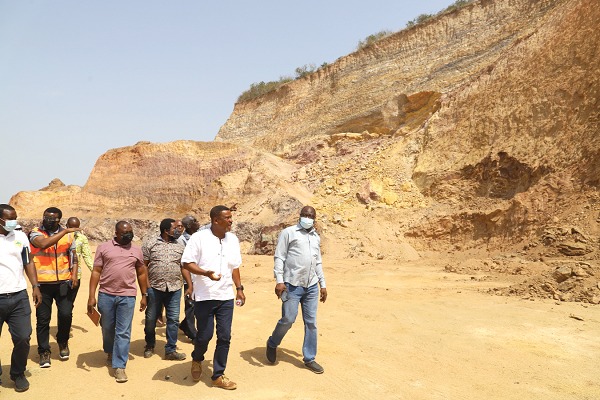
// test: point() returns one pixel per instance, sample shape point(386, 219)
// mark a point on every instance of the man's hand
point(279, 289)
point(91, 304)
point(37, 296)
point(323, 294)
point(74, 282)
point(189, 292)
point(143, 303)
point(213, 276)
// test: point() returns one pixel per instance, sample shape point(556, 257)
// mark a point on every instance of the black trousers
point(188, 325)
point(16, 312)
point(60, 293)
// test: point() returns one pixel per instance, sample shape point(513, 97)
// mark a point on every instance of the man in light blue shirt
point(299, 273)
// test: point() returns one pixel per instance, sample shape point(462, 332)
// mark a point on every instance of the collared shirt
point(14, 247)
point(213, 254)
point(118, 264)
point(82, 248)
point(184, 238)
point(298, 257)
point(164, 264)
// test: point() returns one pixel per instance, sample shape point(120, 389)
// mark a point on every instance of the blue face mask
point(306, 223)
point(10, 224)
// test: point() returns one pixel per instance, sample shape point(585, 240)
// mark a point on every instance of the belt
point(9, 295)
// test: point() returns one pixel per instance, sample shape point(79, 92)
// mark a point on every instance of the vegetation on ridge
point(261, 88)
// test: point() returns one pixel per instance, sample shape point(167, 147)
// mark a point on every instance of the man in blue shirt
point(299, 273)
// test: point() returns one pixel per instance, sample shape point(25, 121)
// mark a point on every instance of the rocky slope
point(476, 130)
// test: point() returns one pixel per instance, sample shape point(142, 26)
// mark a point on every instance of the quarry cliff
point(477, 129)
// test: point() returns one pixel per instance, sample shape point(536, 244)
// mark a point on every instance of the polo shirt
point(118, 276)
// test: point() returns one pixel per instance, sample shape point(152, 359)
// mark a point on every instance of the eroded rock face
point(474, 129)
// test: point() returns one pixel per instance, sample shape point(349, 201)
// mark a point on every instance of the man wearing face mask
point(15, 310)
point(162, 256)
point(53, 253)
point(299, 273)
point(116, 266)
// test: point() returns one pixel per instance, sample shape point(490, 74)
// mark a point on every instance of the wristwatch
point(241, 287)
point(144, 294)
point(37, 285)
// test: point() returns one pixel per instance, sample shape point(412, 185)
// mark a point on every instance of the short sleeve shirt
point(164, 264)
point(213, 254)
point(118, 276)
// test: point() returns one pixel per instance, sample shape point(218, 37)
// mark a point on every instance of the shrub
point(369, 40)
point(304, 70)
point(457, 4)
point(258, 89)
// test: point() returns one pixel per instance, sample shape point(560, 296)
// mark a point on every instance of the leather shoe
point(271, 354)
point(314, 367)
point(196, 370)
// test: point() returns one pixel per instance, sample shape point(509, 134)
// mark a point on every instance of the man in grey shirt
point(299, 273)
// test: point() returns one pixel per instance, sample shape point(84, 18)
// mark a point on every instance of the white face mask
point(306, 223)
point(10, 225)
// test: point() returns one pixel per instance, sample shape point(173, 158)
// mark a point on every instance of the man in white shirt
point(213, 258)
point(14, 301)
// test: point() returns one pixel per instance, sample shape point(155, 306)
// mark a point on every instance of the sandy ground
point(387, 331)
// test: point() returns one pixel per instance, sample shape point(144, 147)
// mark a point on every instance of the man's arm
point(32, 276)
point(94, 279)
point(237, 281)
point(280, 257)
point(187, 277)
point(195, 269)
point(321, 276)
point(42, 242)
point(86, 253)
point(74, 268)
point(142, 277)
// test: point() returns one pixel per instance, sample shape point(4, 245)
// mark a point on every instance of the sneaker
point(196, 370)
point(224, 383)
point(45, 359)
point(120, 375)
point(314, 367)
point(109, 359)
point(64, 351)
point(148, 352)
point(21, 383)
point(271, 354)
point(175, 356)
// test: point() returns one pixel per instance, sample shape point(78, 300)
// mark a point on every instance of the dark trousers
point(64, 304)
point(73, 292)
point(188, 325)
point(16, 312)
point(207, 312)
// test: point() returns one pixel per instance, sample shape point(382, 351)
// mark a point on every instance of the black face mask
point(175, 235)
point(126, 238)
point(50, 226)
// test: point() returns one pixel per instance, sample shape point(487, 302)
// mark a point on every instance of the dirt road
point(387, 331)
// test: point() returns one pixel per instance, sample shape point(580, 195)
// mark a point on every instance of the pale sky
point(80, 77)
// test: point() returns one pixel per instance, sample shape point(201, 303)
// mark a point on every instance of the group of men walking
point(199, 263)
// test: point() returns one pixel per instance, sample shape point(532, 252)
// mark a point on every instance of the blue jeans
point(171, 301)
point(207, 312)
point(308, 299)
point(16, 312)
point(116, 321)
